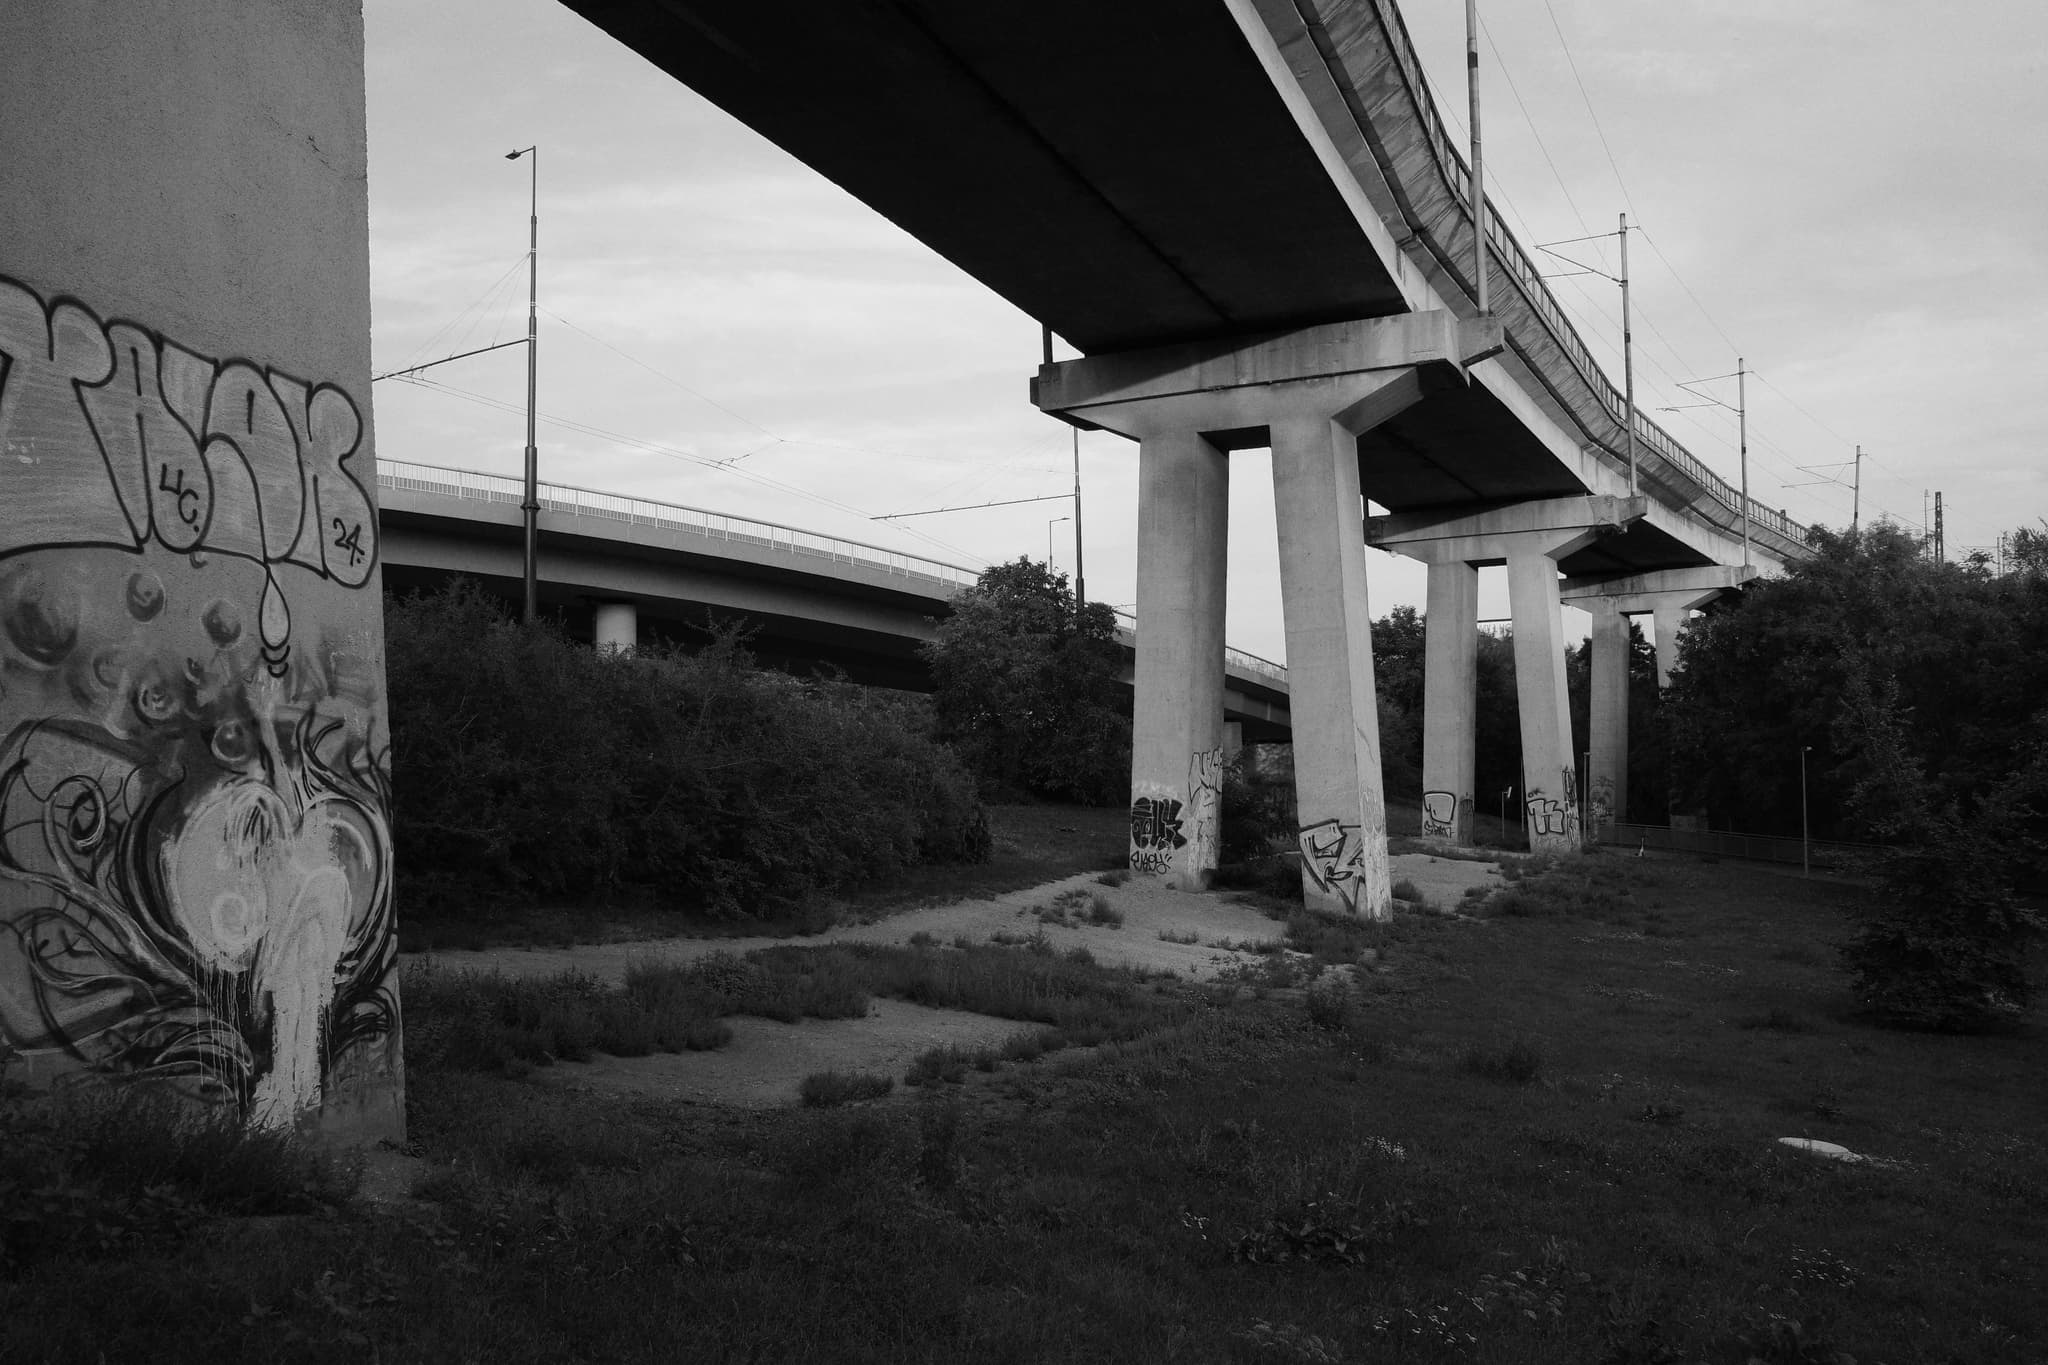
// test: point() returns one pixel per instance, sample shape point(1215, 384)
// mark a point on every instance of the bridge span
point(619, 569)
point(1248, 216)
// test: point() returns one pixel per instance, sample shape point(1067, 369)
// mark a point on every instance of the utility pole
point(1478, 164)
point(1940, 549)
point(1080, 573)
point(1742, 429)
point(530, 505)
point(1628, 363)
point(1856, 496)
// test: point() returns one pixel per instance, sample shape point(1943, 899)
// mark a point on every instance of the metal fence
point(404, 476)
point(1762, 848)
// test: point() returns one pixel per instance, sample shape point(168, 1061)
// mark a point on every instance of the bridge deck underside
point(1071, 155)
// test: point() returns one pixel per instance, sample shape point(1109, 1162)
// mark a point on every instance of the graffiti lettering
point(1439, 815)
point(1548, 817)
point(1601, 802)
point(1333, 855)
point(1156, 832)
point(119, 437)
point(195, 861)
point(1205, 806)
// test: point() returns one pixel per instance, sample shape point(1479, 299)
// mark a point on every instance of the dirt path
point(1195, 935)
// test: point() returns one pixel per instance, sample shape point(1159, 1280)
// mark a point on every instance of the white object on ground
point(1815, 1147)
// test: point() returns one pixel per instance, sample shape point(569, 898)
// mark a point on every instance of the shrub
point(822, 1089)
point(1329, 1003)
point(1257, 812)
point(531, 767)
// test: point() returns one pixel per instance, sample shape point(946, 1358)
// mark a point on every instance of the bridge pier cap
point(1307, 395)
point(1356, 374)
point(195, 848)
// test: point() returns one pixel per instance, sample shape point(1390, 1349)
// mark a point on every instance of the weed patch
point(822, 1089)
point(1519, 1062)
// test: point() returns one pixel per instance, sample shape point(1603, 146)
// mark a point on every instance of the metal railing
point(1528, 279)
point(1127, 632)
point(404, 476)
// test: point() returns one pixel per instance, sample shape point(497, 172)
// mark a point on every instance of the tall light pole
point(1080, 577)
point(1805, 847)
point(1048, 539)
point(531, 505)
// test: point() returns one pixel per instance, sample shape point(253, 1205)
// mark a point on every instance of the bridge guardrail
point(1127, 631)
point(405, 476)
point(1458, 175)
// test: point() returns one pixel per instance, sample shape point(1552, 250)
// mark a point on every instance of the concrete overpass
point(1248, 216)
point(619, 569)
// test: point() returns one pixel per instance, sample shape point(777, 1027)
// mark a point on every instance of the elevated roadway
point(805, 599)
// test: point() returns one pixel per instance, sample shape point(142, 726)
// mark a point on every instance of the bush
point(1518, 1063)
point(530, 767)
point(822, 1089)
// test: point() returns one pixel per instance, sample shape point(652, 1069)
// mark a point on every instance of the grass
point(1242, 1184)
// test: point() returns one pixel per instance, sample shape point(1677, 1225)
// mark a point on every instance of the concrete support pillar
point(1341, 805)
point(195, 843)
point(1549, 768)
point(1233, 740)
point(1607, 783)
point(1307, 394)
point(1668, 622)
point(1177, 717)
point(616, 627)
point(1450, 702)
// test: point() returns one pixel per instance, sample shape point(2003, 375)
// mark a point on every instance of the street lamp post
point(1048, 539)
point(1805, 853)
point(531, 503)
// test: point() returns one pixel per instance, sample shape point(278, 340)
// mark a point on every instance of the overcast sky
point(1852, 197)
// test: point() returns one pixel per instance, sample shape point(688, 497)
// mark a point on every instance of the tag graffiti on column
point(1156, 832)
point(1333, 855)
point(1601, 801)
point(195, 862)
point(1553, 816)
point(1439, 814)
point(1205, 806)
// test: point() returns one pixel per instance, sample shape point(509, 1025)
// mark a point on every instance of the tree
point(1027, 688)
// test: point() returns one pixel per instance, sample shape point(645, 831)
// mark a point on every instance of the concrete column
point(195, 846)
point(1177, 716)
point(1233, 740)
point(1549, 770)
point(1607, 794)
point(1341, 805)
point(1450, 702)
point(617, 627)
point(1668, 621)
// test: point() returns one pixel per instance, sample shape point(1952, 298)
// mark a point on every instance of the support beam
point(1668, 595)
point(1607, 782)
point(1177, 718)
point(616, 627)
point(1530, 538)
point(1450, 702)
point(1339, 799)
point(1307, 395)
point(195, 841)
point(1550, 802)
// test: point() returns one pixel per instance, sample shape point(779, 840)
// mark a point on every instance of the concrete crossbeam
point(1227, 388)
point(1462, 535)
point(1669, 596)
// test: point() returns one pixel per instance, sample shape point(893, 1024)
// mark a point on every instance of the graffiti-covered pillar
point(1307, 394)
point(195, 851)
point(1177, 692)
point(1550, 799)
point(1607, 776)
point(1450, 703)
point(1340, 803)
point(1531, 538)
